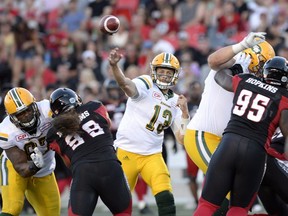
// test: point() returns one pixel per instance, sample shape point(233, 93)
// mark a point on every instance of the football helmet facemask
point(259, 53)
point(63, 100)
point(165, 60)
point(21, 107)
point(276, 71)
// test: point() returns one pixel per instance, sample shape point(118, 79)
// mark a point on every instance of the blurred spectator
point(7, 41)
point(160, 44)
point(93, 62)
point(87, 80)
point(133, 71)
point(4, 89)
point(39, 75)
point(131, 56)
point(64, 78)
point(66, 56)
point(230, 22)
point(190, 72)
point(140, 25)
point(96, 7)
point(184, 45)
point(74, 21)
point(257, 9)
point(27, 44)
point(167, 24)
point(283, 51)
point(53, 38)
point(190, 12)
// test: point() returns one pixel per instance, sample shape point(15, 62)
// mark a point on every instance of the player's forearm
point(26, 169)
point(126, 84)
point(221, 58)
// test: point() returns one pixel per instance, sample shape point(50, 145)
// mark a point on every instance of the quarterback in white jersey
point(27, 164)
point(146, 130)
point(152, 107)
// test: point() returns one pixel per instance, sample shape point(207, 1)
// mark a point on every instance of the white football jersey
point(214, 110)
point(11, 136)
point(141, 128)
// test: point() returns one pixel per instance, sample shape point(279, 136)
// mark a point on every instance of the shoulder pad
point(147, 81)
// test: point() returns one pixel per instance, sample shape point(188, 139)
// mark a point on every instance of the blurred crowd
point(48, 43)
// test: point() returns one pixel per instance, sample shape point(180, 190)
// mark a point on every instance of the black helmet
point(275, 71)
point(63, 100)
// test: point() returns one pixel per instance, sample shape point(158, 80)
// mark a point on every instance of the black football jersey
point(256, 108)
point(94, 141)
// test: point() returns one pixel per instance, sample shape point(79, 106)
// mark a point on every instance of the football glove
point(244, 60)
point(37, 158)
point(252, 39)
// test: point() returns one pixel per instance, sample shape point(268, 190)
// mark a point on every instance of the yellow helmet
point(165, 60)
point(21, 107)
point(259, 53)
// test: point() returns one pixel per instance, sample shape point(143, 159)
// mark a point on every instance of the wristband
point(236, 69)
point(183, 125)
point(238, 48)
point(33, 168)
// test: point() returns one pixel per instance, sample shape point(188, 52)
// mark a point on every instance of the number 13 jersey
point(146, 116)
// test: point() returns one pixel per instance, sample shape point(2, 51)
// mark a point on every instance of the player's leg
point(141, 190)
point(200, 146)
point(155, 173)
point(249, 171)
point(83, 194)
point(129, 166)
point(113, 188)
point(273, 192)
point(43, 194)
point(13, 187)
point(192, 171)
point(219, 176)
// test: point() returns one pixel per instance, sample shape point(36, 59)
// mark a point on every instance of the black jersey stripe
point(3, 138)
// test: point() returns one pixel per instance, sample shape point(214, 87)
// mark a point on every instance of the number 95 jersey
point(11, 136)
point(146, 116)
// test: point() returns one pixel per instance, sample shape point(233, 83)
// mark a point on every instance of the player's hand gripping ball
point(109, 24)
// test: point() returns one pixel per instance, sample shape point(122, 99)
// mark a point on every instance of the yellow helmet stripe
point(16, 98)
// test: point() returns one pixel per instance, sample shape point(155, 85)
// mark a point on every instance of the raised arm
point(126, 84)
point(223, 58)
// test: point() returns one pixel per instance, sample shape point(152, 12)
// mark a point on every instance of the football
point(109, 24)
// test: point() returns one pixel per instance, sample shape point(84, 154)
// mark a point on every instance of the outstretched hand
point(253, 38)
point(182, 104)
point(114, 57)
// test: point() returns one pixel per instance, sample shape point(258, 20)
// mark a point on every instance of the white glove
point(244, 60)
point(37, 158)
point(252, 39)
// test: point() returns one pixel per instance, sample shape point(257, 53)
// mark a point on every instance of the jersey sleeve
point(143, 84)
point(6, 141)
